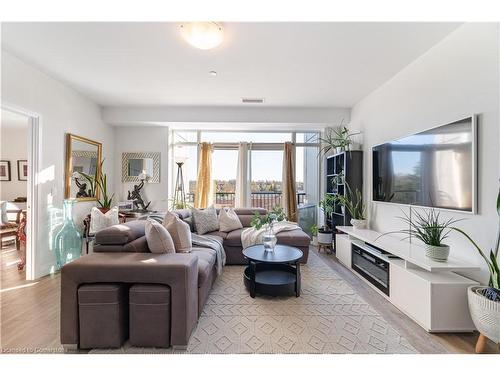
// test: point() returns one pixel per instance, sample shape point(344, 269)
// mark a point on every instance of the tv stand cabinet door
point(343, 250)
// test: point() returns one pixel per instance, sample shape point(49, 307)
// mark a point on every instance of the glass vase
point(68, 241)
point(269, 239)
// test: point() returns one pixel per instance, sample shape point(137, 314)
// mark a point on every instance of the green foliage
point(99, 182)
point(327, 205)
point(336, 137)
point(427, 227)
point(353, 202)
point(314, 230)
point(276, 214)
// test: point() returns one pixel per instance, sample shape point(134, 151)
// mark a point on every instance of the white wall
point(457, 77)
point(61, 110)
point(13, 147)
point(143, 139)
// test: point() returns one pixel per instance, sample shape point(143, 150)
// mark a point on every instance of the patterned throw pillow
point(179, 230)
point(158, 238)
point(3, 207)
point(229, 220)
point(205, 220)
point(99, 220)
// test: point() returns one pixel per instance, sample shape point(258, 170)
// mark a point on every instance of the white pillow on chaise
point(180, 232)
point(158, 238)
point(99, 220)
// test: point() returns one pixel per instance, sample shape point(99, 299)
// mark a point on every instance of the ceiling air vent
point(252, 100)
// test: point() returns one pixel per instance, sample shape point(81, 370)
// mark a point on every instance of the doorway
point(18, 194)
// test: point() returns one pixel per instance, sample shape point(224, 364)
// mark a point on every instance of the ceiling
point(288, 64)
point(13, 120)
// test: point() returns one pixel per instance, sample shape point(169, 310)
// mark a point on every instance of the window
point(266, 164)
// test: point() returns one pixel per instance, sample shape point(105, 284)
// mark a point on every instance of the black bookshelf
point(351, 163)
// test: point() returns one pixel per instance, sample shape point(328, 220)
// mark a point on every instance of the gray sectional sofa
point(122, 258)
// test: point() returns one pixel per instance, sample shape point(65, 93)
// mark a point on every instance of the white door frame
point(33, 199)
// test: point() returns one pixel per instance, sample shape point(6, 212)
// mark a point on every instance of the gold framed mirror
point(83, 160)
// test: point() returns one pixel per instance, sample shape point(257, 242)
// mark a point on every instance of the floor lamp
point(179, 200)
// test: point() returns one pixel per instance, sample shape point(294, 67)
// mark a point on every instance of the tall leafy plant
point(336, 137)
point(99, 182)
point(327, 205)
point(353, 202)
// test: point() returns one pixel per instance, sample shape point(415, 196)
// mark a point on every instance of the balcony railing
point(263, 199)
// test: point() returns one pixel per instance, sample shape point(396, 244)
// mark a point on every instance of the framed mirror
point(136, 165)
point(83, 157)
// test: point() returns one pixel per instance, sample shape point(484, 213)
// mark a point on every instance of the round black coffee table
point(273, 273)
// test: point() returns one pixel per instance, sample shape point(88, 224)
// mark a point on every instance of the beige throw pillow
point(99, 220)
point(179, 230)
point(229, 220)
point(158, 238)
point(205, 220)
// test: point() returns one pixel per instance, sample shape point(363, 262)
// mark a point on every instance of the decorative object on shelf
point(4, 170)
point(338, 139)
point(83, 166)
point(135, 195)
point(125, 206)
point(68, 241)
point(314, 232)
point(22, 170)
point(353, 203)
point(135, 163)
point(325, 233)
point(179, 199)
point(484, 304)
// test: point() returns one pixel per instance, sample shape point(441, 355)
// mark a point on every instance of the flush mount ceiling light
point(202, 35)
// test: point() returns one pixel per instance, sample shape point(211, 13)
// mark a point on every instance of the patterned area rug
point(328, 317)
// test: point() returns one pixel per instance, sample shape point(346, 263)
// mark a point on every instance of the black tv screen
point(434, 168)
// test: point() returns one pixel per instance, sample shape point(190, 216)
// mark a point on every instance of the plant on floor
point(314, 230)
point(327, 205)
point(340, 137)
point(276, 214)
point(353, 202)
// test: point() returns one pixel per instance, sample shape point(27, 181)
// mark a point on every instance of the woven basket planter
point(485, 313)
point(437, 253)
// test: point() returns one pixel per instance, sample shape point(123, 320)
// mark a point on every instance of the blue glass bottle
point(68, 241)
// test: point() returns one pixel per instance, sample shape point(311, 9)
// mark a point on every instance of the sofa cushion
point(233, 238)
point(179, 230)
point(158, 238)
point(218, 234)
point(204, 254)
point(121, 234)
point(296, 238)
point(228, 220)
point(100, 220)
point(205, 220)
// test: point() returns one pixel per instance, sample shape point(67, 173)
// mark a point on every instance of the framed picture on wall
point(4, 170)
point(22, 170)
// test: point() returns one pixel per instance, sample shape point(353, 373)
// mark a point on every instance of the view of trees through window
point(266, 163)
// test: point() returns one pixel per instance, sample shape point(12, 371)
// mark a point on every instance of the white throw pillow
point(180, 232)
point(99, 220)
point(158, 238)
point(229, 220)
point(3, 217)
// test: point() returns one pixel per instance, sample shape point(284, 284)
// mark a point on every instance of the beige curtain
point(243, 180)
point(289, 189)
point(204, 185)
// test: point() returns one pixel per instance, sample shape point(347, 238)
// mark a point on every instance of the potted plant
point(353, 203)
point(269, 239)
point(325, 234)
point(100, 182)
point(431, 230)
point(484, 301)
point(338, 139)
point(314, 231)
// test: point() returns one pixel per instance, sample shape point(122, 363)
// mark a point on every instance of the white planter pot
point(485, 313)
point(315, 241)
point(358, 224)
point(325, 237)
point(437, 253)
point(338, 150)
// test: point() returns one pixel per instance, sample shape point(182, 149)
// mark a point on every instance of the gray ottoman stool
point(149, 315)
point(103, 315)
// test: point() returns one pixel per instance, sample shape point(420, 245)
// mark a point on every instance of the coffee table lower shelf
point(273, 279)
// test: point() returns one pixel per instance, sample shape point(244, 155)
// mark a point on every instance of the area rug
point(328, 317)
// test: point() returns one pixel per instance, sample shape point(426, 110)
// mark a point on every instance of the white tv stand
point(429, 292)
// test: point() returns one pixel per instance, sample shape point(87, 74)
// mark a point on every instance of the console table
point(429, 292)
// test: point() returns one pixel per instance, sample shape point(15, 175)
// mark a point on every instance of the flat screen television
point(433, 168)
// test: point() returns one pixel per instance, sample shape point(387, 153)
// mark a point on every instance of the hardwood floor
point(29, 313)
